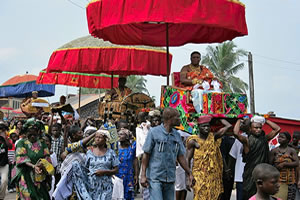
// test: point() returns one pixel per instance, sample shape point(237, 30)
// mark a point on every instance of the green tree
point(224, 61)
point(137, 84)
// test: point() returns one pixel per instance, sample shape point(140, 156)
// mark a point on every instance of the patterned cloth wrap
point(48, 167)
point(225, 103)
point(220, 105)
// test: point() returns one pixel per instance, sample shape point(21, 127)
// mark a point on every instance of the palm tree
point(137, 84)
point(223, 61)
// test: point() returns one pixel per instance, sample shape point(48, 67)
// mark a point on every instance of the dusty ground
point(12, 196)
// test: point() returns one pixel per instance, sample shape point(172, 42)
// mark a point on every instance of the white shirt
point(141, 134)
point(237, 153)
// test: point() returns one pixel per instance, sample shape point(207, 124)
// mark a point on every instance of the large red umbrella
point(93, 55)
point(166, 22)
point(144, 22)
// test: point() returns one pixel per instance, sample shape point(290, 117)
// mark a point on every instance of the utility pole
point(251, 83)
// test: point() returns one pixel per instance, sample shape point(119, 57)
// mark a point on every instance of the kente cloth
point(287, 178)
point(287, 175)
point(26, 185)
point(258, 153)
point(224, 103)
point(207, 168)
point(204, 74)
point(200, 72)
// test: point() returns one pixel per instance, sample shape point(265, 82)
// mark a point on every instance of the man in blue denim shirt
point(162, 148)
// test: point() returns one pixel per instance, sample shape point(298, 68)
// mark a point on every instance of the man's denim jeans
point(161, 190)
point(239, 190)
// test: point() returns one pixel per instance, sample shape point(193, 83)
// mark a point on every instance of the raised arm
point(87, 139)
point(275, 129)
point(241, 138)
point(223, 130)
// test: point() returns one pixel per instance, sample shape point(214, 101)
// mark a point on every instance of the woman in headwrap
point(285, 159)
point(93, 179)
point(33, 165)
point(128, 168)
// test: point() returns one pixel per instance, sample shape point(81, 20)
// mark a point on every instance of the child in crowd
point(266, 178)
point(11, 160)
point(53, 156)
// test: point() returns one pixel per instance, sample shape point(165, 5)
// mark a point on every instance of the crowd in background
point(48, 156)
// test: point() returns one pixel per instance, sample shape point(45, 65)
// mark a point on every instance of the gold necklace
point(193, 68)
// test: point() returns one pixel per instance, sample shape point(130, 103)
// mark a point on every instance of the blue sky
point(32, 30)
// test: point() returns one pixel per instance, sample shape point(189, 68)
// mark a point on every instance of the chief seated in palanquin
point(112, 104)
point(119, 93)
point(194, 73)
point(197, 80)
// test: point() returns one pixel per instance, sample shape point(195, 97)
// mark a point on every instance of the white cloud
point(7, 53)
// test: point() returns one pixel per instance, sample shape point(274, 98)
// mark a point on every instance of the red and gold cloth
point(144, 22)
point(77, 79)
point(111, 60)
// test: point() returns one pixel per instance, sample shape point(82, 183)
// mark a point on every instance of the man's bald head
point(168, 113)
point(171, 116)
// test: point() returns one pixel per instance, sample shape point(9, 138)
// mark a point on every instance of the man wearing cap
point(162, 148)
point(207, 165)
point(255, 149)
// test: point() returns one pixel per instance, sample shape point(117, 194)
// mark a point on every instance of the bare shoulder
point(292, 151)
point(185, 68)
point(191, 141)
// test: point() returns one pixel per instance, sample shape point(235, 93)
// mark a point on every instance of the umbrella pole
point(79, 101)
point(168, 58)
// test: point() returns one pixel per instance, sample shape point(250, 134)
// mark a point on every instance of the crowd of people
point(45, 157)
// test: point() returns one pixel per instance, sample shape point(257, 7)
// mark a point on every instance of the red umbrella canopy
point(20, 79)
point(6, 108)
point(144, 22)
point(77, 79)
point(94, 56)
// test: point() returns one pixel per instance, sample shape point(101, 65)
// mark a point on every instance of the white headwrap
point(154, 113)
point(258, 119)
point(105, 133)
